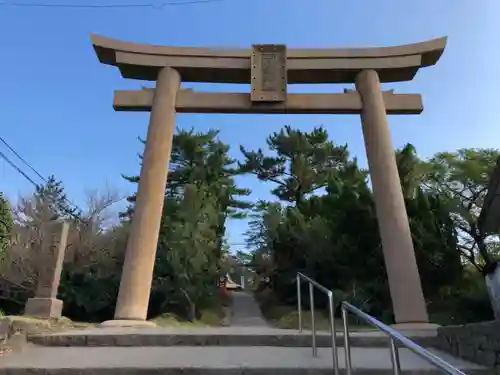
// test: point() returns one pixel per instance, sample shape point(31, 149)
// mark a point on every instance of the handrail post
point(347, 346)
point(313, 322)
point(299, 303)
point(396, 365)
point(331, 307)
point(394, 336)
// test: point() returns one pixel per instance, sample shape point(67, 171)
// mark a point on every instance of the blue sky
point(55, 97)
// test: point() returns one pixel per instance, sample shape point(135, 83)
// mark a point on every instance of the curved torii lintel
point(393, 64)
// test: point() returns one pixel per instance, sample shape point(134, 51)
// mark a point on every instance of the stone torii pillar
point(399, 255)
point(135, 285)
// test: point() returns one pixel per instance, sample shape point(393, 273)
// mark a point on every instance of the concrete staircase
point(221, 351)
point(249, 348)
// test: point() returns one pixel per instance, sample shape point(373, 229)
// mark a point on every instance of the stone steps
point(211, 361)
point(211, 351)
point(227, 336)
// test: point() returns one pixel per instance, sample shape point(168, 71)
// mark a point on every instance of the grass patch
point(171, 320)
point(31, 325)
point(290, 320)
point(210, 317)
point(286, 316)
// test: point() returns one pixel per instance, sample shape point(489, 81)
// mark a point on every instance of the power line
point(20, 171)
point(105, 6)
point(22, 159)
point(13, 165)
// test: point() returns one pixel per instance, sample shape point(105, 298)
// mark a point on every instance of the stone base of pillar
point(44, 308)
point(416, 329)
point(128, 323)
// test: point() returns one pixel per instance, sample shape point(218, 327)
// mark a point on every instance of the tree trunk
point(483, 251)
point(191, 306)
point(192, 312)
point(492, 280)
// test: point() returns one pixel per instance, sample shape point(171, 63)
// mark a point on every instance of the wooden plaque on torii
point(268, 73)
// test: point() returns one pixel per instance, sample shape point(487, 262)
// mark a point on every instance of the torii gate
point(269, 69)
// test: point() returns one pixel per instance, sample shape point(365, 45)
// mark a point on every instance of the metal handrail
point(394, 336)
point(331, 308)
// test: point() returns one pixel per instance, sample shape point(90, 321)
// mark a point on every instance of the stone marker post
point(45, 303)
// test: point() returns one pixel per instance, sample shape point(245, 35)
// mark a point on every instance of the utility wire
point(22, 173)
point(104, 6)
point(22, 159)
point(18, 169)
point(13, 165)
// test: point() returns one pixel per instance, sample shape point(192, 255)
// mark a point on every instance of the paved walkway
point(208, 360)
point(246, 312)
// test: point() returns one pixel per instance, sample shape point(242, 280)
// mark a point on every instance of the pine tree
point(202, 160)
point(188, 248)
point(200, 196)
point(303, 162)
point(48, 202)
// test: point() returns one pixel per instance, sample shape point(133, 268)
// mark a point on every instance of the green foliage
point(201, 159)
point(323, 223)
point(302, 165)
point(89, 295)
point(433, 231)
point(50, 201)
point(334, 237)
point(461, 180)
point(187, 256)
point(6, 224)
point(200, 196)
point(89, 290)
